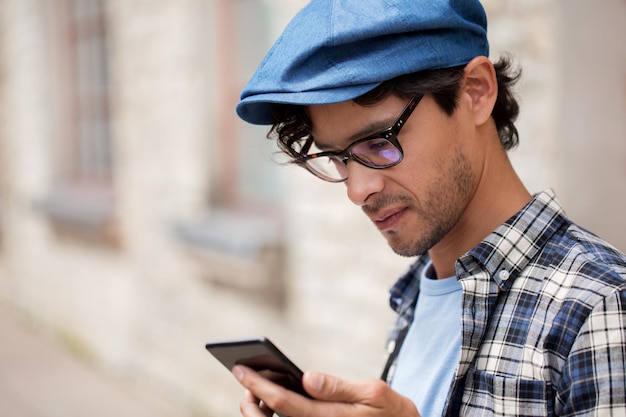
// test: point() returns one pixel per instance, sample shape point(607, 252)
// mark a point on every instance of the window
point(81, 201)
point(244, 173)
point(240, 239)
point(91, 163)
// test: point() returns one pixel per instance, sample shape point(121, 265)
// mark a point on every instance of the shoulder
point(583, 255)
point(581, 271)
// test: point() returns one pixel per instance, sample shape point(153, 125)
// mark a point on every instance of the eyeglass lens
point(374, 153)
point(377, 151)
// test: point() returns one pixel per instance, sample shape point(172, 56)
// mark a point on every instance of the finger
point(272, 396)
point(258, 385)
point(250, 397)
point(268, 412)
point(251, 406)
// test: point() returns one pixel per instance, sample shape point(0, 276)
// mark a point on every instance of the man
point(510, 309)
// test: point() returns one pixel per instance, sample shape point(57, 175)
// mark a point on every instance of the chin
point(413, 245)
point(404, 248)
point(409, 253)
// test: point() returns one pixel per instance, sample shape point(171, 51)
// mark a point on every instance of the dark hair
point(293, 123)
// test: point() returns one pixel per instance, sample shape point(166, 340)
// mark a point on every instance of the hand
point(333, 397)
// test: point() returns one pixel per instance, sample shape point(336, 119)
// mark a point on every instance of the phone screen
point(261, 355)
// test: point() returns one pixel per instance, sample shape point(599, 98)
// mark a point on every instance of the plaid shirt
point(544, 320)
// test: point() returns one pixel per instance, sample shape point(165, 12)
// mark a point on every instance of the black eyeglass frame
point(389, 134)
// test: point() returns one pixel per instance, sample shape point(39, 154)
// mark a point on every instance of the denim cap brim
point(257, 109)
point(337, 50)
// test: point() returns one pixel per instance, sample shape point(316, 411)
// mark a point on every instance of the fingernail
point(238, 372)
point(316, 381)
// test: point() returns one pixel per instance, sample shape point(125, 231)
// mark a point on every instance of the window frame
point(81, 200)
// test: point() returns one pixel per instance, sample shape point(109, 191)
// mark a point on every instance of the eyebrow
point(368, 130)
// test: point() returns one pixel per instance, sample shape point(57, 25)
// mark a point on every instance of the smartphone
point(261, 355)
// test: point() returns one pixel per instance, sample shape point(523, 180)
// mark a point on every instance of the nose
point(363, 182)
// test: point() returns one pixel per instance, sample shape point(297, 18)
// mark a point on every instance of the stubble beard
point(439, 210)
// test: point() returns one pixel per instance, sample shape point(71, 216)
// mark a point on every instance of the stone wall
point(143, 310)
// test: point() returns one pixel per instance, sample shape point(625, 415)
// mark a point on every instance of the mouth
point(389, 219)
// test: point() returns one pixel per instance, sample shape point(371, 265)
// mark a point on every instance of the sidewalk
point(40, 379)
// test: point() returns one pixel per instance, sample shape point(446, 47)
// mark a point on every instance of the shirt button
point(504, 274)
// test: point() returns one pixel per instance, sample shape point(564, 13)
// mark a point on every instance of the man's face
point(416, 203)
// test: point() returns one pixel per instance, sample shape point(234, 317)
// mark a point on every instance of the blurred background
point(140, 218)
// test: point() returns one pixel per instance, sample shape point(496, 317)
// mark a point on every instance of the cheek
point(426, 156)
point(430, 146)
point(445, 175)
point(442, 135)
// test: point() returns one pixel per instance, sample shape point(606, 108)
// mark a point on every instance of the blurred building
point(140, 218)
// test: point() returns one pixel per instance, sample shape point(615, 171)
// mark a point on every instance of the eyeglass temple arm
point(307, 145)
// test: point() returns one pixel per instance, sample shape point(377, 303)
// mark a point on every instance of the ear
point(480, 88)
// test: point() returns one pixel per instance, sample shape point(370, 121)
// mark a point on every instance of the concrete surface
point(38, 378)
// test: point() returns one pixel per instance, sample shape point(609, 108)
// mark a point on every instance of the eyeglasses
point(379, 151)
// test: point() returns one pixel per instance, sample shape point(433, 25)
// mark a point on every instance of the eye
point(371, 146)
point(377, 152)
point(376, 145)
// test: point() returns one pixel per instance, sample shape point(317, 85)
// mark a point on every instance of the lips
point(388, 219)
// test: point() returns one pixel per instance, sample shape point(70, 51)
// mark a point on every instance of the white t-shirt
point(432, 347)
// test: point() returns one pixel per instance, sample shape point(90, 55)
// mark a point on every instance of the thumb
point(370, 396)
point(329, 388)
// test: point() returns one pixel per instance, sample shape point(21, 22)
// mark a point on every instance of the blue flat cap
point(337, 50)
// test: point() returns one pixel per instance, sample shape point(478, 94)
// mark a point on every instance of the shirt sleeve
point(594, 377)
